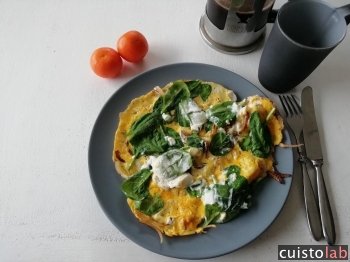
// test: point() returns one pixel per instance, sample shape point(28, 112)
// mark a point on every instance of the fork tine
point(297, 105)
point(293, 106)
point(289, 106)
point(284, 102)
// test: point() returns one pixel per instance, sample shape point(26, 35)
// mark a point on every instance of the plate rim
point(125, 232)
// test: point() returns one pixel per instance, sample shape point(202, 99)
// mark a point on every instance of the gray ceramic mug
point(304, 33)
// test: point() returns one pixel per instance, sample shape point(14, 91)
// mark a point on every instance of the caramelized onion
point(117, 155)
point(290, 145)
point(245, 123)
point(278, 176)
point(184, 135)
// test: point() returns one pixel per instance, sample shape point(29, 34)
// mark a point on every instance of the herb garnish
point(259, 140)
point(196, 88)
point(221, 144)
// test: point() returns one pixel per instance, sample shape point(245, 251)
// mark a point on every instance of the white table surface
point(49, 101)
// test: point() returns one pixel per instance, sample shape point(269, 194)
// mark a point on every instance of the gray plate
point(268, 199)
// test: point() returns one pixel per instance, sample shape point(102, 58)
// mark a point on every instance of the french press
point(236, 26)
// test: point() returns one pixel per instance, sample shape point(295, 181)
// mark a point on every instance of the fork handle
point(312, 214)
point(325, 207)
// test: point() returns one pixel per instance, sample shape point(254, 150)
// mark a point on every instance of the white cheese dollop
point(169, 169)
point(221, 217)
point(147, 165)
point(231, 178)
point(239, 124)
point(182, 181)
point(209, 196)
point(171, 141)
point(195, 115)
point(167, 117)
point(235, 107)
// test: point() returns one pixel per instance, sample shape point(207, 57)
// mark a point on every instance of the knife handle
point(325, 207)
point(312, 214)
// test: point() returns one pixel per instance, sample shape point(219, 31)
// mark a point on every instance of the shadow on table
point(132, 69)
point(157, 55)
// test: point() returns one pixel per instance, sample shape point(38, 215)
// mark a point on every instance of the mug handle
point(272, 16)
point(345, 11)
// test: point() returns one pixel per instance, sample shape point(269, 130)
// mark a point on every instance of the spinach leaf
point(193, 87)
point(155, 143)
point(233, 210)
point(230, 197)
point(212, 213)
point(177, 92)
point(226, 195)
point(194, 192)
point(196, 188)
point(220, 145)
point(232, 201)
point(144, 124)
point(259, 140)
point(223, 191)
point(157, 107)
point(174, 163)
point(167, 131)
point(221, 114)
point(228, 200)
point(150, 205)
point(149, 144)
point(233, 169)
point(206, 91)
point(136, 187)
point(239, 198)
point(231, 214)
point(240, 182)
point(208, 126)
point(181, 116)
point(196, 88)
point(194, 140)
point(245, 145)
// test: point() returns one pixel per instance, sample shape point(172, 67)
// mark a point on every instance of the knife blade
point(314, 153)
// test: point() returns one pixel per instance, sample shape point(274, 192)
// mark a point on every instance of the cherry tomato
point(132, 46)
point(106, 62)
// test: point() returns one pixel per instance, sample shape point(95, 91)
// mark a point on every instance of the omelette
point(191, 154)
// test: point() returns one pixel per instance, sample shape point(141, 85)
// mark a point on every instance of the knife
point(314, 153)
point(311, 206)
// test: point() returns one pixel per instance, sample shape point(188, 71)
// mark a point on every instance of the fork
point(295, 121)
